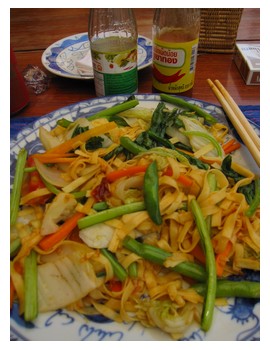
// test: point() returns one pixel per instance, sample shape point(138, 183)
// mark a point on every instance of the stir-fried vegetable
point(151, 196)
point(230, 289)
point(159, 256)
point(130, 103)
point(17, 185)
point(30, 287)
point(118, 269)
point(64, 280)
point(189, 106)
point(63, 231)
point(211, 282)
point(138, 214)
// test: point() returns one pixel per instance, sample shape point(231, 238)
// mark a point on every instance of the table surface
point(33, 30)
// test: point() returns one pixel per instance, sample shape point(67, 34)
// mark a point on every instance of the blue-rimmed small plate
point(60, 58)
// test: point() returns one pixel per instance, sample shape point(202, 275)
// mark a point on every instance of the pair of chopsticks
point(239, 121)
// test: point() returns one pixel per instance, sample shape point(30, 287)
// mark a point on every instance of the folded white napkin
point(84, 65)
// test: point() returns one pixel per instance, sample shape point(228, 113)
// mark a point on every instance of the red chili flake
point(101, 192)
point(114, 285)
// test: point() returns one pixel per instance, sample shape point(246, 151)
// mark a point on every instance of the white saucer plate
point(60, 58)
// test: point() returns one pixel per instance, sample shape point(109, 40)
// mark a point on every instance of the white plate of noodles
point(234, 318)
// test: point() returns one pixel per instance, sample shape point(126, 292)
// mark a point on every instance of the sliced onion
point(48, 141)
point(51, 174)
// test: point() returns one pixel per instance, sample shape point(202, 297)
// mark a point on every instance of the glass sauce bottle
point(113, 43)
point(175, 46)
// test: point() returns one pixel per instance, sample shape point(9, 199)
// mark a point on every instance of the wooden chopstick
point(238, 120)
point(239, 114)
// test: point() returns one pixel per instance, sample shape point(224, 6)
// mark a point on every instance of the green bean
point(30, 287)
point(109, 214)
point(133, 269)
point(211, 281)
point(146, 251)
point(151, 196)
point(17, 186)
point(256, 200)
point(189, 106)
point(190, 269)
point(131, 146)
point(30, 169)
point(100, 206)
point(118, 269)
point(14, 247)
point(115, 109)
point(158, 256)
point(78, 194)
point(232, 289)
point(108, 112)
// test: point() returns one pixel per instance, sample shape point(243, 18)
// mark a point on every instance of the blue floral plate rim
point(237, 321)
point(60, 57)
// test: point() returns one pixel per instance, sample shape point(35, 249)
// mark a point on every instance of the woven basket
point(218, 30)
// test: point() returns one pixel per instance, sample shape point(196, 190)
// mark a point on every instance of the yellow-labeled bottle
point(175, 47)
point(113, 43)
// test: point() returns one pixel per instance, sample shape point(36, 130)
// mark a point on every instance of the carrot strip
point(198, 253)
point(81, 138)
point(185, 180)
point(228, 144)
point(233, 147)
point(221, 259)
point(117, 174)
point(50, 240)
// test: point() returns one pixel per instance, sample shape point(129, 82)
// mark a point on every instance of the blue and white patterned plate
point(60, 58)
point(238, 320)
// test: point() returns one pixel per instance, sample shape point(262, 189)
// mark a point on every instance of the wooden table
point(33, 30)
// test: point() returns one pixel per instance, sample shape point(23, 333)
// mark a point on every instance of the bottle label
point(174, 65)
point(115, 73)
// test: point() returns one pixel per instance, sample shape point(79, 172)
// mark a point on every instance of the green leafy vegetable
point(118, 269)
point(211, 280)
point(17, 186)
point(109, 214)
point(250, 191)
point(158, 256)
point(151, 196)
point(232, 289)
point(14, 247)
point(114, 110)
point(30, 287)
point(255, 202)
point(189, 106)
